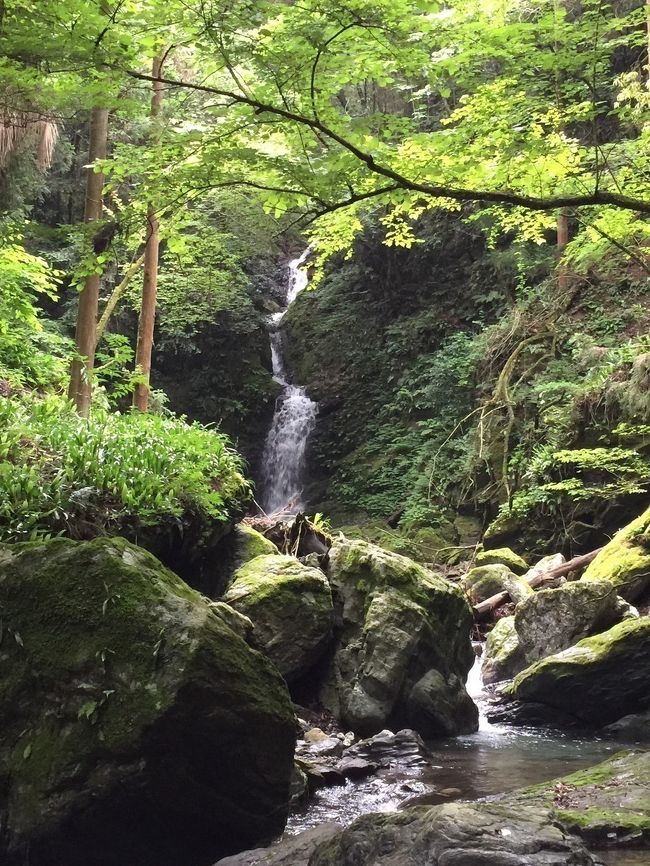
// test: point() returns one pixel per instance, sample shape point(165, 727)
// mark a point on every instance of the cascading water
point(283, 461)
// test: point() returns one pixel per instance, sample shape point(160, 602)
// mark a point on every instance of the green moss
point(611, 797)
point(502, 556)
point(598, 680)
point(484, 581)
point(290, 605)
point(97, 638)
point(250, 543)
point(625, 561)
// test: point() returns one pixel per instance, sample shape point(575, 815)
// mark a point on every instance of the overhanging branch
point(598, 197)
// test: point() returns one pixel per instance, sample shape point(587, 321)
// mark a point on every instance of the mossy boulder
point(502, 556)
point(625, 561)
point(250, 543)
point(135, 722)
point(290, 605)
point(403, 648)
point(607, 804)
point(551, 620)
point(502, 657)
point(598, 680)
point(455, 834)
point(487, 580)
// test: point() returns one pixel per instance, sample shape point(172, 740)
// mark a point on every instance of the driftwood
point(293, 534)
point(575, 564)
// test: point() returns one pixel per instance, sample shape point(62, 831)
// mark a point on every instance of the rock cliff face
point(135, 722)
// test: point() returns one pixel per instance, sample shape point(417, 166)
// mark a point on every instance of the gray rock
point(551, 620)
point(290, 606)
point(454, 834)
point(124, 698)
point(397, 622)
point(355, 768)
point(597, 679)
point(291, 851)
point(503, 656)
point(632, 728)
point(485, 581)
point(406, 748)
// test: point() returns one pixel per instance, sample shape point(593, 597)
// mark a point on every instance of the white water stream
point(283, 460)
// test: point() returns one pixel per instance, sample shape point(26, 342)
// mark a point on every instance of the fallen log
point(575, 564)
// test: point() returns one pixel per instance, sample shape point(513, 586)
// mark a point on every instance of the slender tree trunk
point(562, 241)
point(80, 390)
point(115, 297)
point(150, 281)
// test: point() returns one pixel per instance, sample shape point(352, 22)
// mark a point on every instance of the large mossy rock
point(135, 723)
point(551, 620)
point(598, 680)
point(484, 581)
point(403, 647)
point(625, 561)
point(455, 834)
point(290, 605)
point(249, 543)
point(608, 804)
point(502, 657)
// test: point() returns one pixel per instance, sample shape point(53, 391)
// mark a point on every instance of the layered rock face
point(402, 649)
point(135, 722)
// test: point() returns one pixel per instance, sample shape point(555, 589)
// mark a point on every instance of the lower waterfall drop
point(283, 460)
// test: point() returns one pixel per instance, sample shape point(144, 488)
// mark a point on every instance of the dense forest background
point(473, 182)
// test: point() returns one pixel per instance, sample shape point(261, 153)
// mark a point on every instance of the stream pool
point(496, 759)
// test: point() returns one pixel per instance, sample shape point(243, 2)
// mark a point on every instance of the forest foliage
point(346, 124)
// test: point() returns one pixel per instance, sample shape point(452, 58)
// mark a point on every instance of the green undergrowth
point(64, 475)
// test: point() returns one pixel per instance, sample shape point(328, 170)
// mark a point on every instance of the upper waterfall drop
point(283, 460)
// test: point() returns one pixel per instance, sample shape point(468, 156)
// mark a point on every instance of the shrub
point(61, 474)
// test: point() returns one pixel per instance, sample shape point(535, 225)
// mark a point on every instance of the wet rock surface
point(462, 834)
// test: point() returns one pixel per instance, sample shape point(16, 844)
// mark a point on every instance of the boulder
point(632, 728)
point(403, 648)
point(135, 723)
point(551, 620)
point(502, 556)
point(625, 561)
point(291, 851)
point(502, 657)
point(454, 834)
point(249, 543)
point(596, 681)
point(290, 605)
point(607, 805)
point(386, 749)
point(487, 580)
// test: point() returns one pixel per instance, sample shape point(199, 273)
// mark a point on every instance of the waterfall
point(283, 460)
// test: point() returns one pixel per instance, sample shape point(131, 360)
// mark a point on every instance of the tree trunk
point(80, 390)
point(147, 317)
point(562, 241)
point(495, 601)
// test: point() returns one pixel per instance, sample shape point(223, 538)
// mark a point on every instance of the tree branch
point(597, 197)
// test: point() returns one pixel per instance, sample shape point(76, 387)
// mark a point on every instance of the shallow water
point(496, 759)
point(492, 761)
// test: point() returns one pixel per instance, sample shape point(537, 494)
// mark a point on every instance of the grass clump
point(64, 475)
